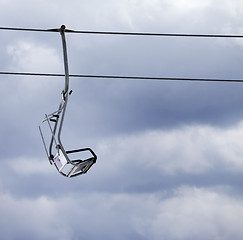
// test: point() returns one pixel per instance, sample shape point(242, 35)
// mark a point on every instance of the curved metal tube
point(66, 88)
point(66, 166)
point(62, 107)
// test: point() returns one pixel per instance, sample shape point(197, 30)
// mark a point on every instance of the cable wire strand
point(127, 33)
point(28, 29)
point(123, 77)
point(158, 34)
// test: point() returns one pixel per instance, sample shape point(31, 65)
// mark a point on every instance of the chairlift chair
point(57, 155)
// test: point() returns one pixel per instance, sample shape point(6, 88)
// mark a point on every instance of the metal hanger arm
point(66, 87)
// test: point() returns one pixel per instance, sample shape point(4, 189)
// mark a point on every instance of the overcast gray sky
point(170, 153)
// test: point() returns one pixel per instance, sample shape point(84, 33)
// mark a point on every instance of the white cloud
point(28, 91)
point(189, 213)
point(27, 166)
point(36, 219)
point(194, 213)
point(191, 149)
point(29, 56)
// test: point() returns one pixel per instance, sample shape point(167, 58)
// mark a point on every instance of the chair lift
point(56, 153)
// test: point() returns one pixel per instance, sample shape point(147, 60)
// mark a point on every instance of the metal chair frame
point(61, 160)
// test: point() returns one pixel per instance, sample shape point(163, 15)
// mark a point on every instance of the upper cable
point(127, 33)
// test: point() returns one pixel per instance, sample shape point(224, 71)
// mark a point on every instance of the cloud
point(192, 149)
point(195, 214)
point(31, 219)
point(32, 57)
point(28, 166)
point(201, 156)
point(187, 213)
point(169, 153)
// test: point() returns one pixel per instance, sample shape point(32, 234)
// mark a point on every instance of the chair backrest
point(60, 161)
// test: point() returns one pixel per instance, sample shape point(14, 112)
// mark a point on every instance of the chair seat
point(71, 168)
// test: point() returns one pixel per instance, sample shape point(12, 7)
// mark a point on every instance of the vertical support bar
point(65, 58)
point(65, 91)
